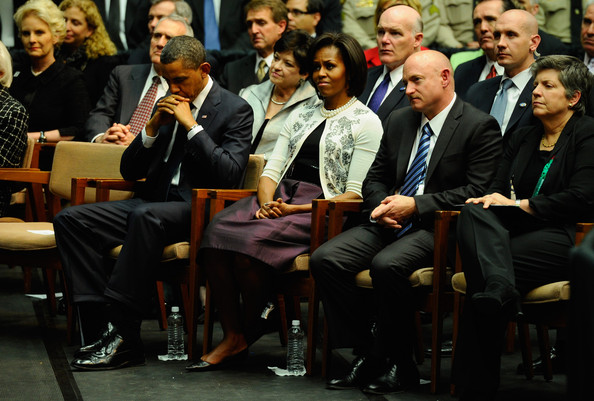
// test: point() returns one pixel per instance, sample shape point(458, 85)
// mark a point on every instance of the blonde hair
point(5, 66)
point(99, 43)
point(46, 11)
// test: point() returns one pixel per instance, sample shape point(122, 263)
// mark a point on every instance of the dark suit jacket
point(215, 158)
point(462, 163)
point(567, 193)
point(136, 21)
point(395, 99)
point(119, 100)
point(550, 45)
point(467, 74)
point(482, 94)
point(240, 74)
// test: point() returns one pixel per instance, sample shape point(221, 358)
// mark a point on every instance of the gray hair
point(182, 8)
point(573, 75)
point(185, 48)
point(5, 66)
point(175, 17)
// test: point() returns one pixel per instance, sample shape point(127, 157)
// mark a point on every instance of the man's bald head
point(429, 82)
point(516, 37)
point(399, 34)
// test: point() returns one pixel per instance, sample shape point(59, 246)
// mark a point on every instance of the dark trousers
point(85, 234)
point(502, 243)
point(348, 308)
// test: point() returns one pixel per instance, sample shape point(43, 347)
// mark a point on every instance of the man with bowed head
point(198, 137)
point(433, 155)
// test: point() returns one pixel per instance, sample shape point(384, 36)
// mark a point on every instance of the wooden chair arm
point(103, 187)
point(444, 219)
point(336, 211)
point(581, 230)
point(319, 210)
point(27, 175)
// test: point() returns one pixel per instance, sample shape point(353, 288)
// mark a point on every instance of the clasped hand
point(492, 199)
point(118, 134)
point(393, 210)
point(274, 209)
point(170, 108)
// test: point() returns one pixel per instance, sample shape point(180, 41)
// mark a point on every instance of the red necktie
point(144, 109)
point(492, 73)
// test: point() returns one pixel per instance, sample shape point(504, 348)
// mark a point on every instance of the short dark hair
point(505, 6)
point(185, 48)
point(277, 7)
point(315, 6)
point(573, 75)
point(352, 56)
point(298, 42)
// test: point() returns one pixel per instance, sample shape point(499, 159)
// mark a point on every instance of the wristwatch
point(42, 138)
point(518, 202)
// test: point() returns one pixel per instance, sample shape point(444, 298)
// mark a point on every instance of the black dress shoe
point(394, 381)
point(203, 366)
point(363, 370)
point(496, 296)
point(557, 362)
point(97, 345)
point(114, 353)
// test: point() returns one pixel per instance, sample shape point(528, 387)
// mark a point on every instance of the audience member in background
point(323, 151)
point(305, 15)
point(54, 94)
point(399, 34)
point(272, 101)
point(372, 54)
point(198, 137)
point(455, 30)
point(484, 17)
point(158, 9)
point(133, 90)
point(546, 173)
point(13, 127)
point(587, 37)
point(507, 97)
point(125, 16)
point(266, 21)
point(87, 46)
point(549, 44)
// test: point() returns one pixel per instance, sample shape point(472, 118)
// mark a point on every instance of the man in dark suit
point(134, 23)
point(398, 36)
point(178, 150)
point(266, 21)
point(516, 39)
point(109, 121)
point(400, 195)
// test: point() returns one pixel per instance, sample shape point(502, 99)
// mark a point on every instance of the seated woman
point(545, 182)
point(13, 127)
point(324, 150)
point(54, 94)
point(273, 100)
point(87, 46)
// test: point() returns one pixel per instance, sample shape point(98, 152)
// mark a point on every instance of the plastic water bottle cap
point(175, 309)
point(295, 322)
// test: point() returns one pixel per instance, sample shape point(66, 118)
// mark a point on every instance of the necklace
point(547, 145)
point(334, 112)
point(276, 101)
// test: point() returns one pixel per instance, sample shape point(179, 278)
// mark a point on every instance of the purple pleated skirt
point(275, 242)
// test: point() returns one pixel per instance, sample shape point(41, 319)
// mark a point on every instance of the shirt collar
point(438, 121)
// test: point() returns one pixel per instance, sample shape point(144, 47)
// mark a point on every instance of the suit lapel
point(445, 136)
point(372, 76)
point(208, 112)
point(410, 130)
point(392, 100)
point(521, 106)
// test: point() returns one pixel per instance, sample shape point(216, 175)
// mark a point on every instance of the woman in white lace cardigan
point(324, 150)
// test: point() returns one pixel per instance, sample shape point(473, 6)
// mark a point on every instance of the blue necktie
point(211, 28)
point(416, 172)
point(500, 103)
point(379, 94)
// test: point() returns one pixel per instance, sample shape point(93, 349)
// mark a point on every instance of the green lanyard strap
point(543, 175)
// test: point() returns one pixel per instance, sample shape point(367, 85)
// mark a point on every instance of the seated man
point(179, 149)
point(132, 91)
point(433, 155)
point(304, 14)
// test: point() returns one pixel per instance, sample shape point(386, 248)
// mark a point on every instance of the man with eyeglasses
point(305, 15)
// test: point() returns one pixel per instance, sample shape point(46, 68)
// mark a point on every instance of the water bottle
point(175, 335)
point(295, 363)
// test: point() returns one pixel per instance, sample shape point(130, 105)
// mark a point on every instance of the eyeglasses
point(298, 13)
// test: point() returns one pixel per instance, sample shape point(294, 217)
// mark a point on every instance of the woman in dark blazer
point(518, 236)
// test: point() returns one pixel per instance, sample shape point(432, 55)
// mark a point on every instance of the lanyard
point(543, 175)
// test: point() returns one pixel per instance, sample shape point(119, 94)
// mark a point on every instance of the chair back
point(85, 160)
point(28, 156)
point(253, 171)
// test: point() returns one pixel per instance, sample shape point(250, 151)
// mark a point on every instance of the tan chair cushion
point(420, 278)
point(553, 292)
point(300, 264)
point(363, 279)
point(177, 251)
point(9, 219)
point(18, 236)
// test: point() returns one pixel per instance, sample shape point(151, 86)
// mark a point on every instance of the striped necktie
point(416, 172)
